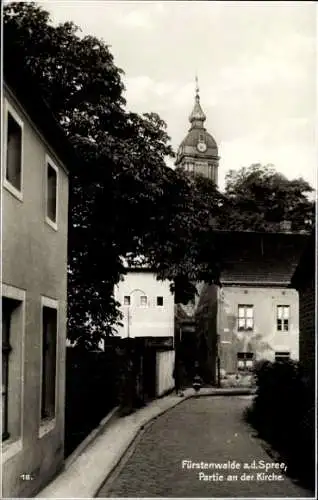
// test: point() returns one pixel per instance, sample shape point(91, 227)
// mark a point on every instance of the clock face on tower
point(201, 146)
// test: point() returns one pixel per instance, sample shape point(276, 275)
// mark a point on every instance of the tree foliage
point(124, 200)
point(259, 198)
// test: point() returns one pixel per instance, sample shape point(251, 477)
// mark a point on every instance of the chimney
point(285, 226)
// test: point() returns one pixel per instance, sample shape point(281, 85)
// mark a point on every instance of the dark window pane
point(159, 301)
point(49, 362)
point(7, 309)
point(282, 356)
point(14, 152)
point(51, 192)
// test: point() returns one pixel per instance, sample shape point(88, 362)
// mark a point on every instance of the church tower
point(198, 152)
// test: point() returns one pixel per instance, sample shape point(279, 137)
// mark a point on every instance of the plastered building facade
point(34, 290)
point(147, 305)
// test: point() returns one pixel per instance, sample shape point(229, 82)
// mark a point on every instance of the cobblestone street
point(205, 429)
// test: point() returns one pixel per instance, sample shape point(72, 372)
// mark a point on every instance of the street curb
point(130, 449)
point(89, 439)
point(135, 436)
point(143, 425)
point(224, 392)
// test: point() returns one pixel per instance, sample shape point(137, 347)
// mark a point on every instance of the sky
point(255, 61)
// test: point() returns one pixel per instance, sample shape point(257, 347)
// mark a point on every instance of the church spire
point(197, 117)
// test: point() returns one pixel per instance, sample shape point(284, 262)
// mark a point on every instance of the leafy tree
point(259, 198)
point(124, 200)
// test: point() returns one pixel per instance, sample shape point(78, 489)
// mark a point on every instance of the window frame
point(282, 356)
point(49, 221)
point(140, 301)
point(8, 108)
point(13, 445)
point(48, 424)
point(245, 317)
point(129, 301)
point(282, 319)
point(246, 355)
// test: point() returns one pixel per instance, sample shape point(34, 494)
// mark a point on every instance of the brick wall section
point(304, 281)
point(307, 329)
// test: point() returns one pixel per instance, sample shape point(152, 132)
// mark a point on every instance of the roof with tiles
point(259, 259)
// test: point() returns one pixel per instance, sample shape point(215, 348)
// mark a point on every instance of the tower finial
point(196, 86)
point(197, 116)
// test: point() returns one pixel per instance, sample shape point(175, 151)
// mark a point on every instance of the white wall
point(165, 365)
point(150, 320)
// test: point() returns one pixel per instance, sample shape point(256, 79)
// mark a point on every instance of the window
point(9, 372)
point(49, 341)
point(51, 193)
point(143, 300)
point(282, 356)
point(127, 300)
point(13, 172)
point(282, 321)
point(245, 361)
point(159, 301)
point(190, 167)
point(6, 349)
point(245, 318)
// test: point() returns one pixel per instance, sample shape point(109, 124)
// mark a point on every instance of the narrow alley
point(207, 432)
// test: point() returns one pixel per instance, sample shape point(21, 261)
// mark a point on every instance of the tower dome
point(198, 152)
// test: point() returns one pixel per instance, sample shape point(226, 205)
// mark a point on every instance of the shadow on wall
point(240, 342)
